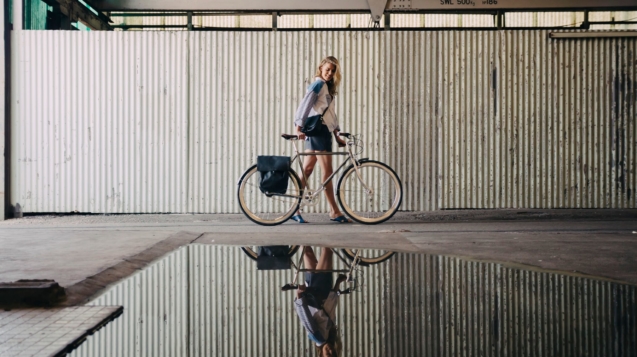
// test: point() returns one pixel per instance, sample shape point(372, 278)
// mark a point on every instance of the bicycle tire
point(382, 204)
point(264, 210)
point(252, 254)
point(369, 256)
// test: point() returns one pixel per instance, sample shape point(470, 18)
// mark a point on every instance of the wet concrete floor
point(86, 253)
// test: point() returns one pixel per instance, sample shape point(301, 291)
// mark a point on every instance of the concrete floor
point(86, 253)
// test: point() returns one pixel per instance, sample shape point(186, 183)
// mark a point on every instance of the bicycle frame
point(348, 272)
point(351, 156)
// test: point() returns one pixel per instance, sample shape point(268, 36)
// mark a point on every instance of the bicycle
point(368, 191)
point(366, 257)
point(355, 258)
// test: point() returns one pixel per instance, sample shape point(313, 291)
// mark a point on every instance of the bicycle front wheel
point(371, 193)
point(264, 210)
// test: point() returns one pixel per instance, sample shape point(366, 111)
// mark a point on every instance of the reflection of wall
point(205, 300)
point(211, 301)
point(469, 119)
point(455, 308)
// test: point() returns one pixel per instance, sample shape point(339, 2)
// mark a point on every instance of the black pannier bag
point(274, 174)
point(274, 257)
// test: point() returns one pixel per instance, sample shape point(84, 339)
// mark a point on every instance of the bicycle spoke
point(371, 195)
point(266, 210)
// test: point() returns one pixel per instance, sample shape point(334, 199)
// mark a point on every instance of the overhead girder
point(76, 11)
point(376, 7)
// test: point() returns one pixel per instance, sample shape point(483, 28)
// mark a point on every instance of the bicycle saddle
point(287, 287)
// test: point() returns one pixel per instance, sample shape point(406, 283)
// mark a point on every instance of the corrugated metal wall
point(192, 304)
point(99, 121)
point(530, 122)
point(469, 119)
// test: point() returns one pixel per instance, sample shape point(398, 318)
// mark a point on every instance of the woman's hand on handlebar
point(341, 143)
point(300, 290)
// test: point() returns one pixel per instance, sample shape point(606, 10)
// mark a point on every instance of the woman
point(318, 100)
point(316, 301)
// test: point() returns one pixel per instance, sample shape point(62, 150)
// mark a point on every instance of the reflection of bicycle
point(355, 258)
point(368, 191)
point(353, 275)
point(365, 257)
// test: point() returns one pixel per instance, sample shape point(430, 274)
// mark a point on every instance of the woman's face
point(327, 71)
point(328, 350)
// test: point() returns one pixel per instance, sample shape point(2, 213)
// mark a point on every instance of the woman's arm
point(307, 104)
point(341, 142)
point(300, 290)
point(299, 133)
point(341, 278)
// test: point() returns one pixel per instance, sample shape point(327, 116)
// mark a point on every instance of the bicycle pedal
point(287, 287)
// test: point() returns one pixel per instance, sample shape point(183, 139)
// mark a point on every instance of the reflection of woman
point(319, 100)
point(316, 301)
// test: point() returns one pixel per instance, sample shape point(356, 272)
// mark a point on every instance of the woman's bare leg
point(325, 161)
point(309, 259)
point(308, 167)
point(325, 260)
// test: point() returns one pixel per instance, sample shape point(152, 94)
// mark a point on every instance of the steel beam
point(76, 11)
point(4, 25)
point(375, 6)
point(593, 34)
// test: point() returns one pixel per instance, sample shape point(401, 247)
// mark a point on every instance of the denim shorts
point(321, 142)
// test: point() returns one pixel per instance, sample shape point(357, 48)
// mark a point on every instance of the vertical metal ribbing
point(90, 147)
point(507, 119)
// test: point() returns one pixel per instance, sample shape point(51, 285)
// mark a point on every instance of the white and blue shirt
point(316, 99)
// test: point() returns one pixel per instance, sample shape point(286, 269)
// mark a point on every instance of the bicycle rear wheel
point(264, 210)
point(374, 197)
point(368, 256)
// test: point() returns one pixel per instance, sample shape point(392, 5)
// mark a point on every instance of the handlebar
point(296, 137)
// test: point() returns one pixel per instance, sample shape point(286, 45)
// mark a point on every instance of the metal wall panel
point(99, 121)
point(205, 300)
point(555, 19)
point(151, 21)
point(614, 16)
point(244, 97)
point(537, 123)
point(468, 119)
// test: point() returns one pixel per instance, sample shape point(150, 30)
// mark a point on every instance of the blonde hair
point(332, 85)
point(335, 340)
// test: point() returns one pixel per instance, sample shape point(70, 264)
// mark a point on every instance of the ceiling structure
point(376, 7)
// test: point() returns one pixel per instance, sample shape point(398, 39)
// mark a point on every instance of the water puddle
point(207, 300)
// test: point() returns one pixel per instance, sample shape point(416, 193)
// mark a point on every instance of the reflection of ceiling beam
point(76, 11)
point(361, 5)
